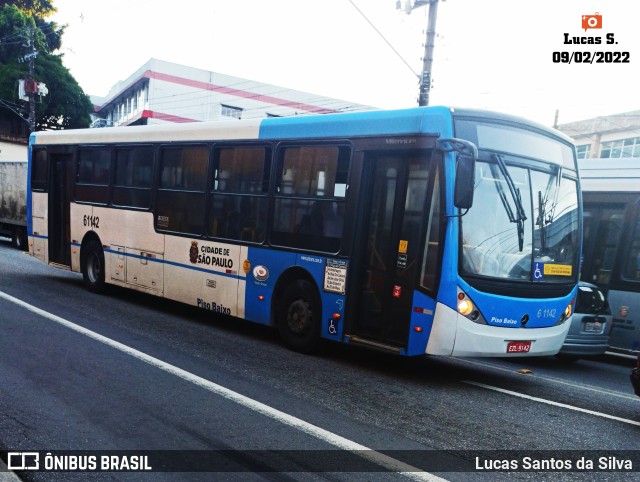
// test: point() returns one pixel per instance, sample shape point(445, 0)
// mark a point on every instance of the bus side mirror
point(467, 153)
point(465, 178)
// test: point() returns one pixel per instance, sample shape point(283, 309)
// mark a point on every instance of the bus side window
point(238, 202)
point(605, 229)
point(631, 265)
point(180, 203)
point(133, 177)
point(92, 175)
point(309, 204)
point(429, 275)
point(39, 170)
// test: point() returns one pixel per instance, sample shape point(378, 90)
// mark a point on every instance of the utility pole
point(31, 91)
point(29, 87)
point(427, 60)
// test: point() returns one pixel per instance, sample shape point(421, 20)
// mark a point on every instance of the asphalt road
point(130, 372)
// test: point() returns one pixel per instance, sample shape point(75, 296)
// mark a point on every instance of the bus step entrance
point(375, 345)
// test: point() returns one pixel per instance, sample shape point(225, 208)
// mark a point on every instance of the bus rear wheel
point(298, 317)
point(93, 267)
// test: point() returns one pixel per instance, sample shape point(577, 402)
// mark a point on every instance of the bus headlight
point(468, 309)
point(465, 307)
point(568, 311)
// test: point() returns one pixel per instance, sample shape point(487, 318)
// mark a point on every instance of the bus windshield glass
point(524, 223)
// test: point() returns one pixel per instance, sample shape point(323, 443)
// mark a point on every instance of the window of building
point(583, 151)
point(239, 193)
point(621, 148)
point(309, 205)
point(181, 195)
point(133, 177)
point(92, 175)
point(229, 111)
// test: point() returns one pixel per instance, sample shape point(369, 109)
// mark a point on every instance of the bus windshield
point(524, 224)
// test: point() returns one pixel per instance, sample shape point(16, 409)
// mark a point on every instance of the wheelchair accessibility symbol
point(538, 271)
point(333, 329)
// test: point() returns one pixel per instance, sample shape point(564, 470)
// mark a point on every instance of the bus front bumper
point(454, 335)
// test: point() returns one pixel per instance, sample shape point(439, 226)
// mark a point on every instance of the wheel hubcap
point(299, 317)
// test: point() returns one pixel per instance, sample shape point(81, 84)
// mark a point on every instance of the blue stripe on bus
point(29, 192)
point(406, 121)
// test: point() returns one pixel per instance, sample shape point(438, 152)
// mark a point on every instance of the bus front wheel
point(298, 317)
point(93, 267)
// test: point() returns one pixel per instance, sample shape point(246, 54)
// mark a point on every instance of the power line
point(384, 38)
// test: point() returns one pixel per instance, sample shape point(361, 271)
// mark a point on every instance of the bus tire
point(93, 267)
point(298, 317)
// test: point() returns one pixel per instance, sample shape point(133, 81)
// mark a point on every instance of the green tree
point(23, 28)
point(34, 8)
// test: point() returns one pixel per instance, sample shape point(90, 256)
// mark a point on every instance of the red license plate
point(518, 347)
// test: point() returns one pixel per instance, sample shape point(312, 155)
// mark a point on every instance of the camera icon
point(591, 21)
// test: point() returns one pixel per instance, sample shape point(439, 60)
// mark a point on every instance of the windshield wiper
point(520, 217)
point(547, 214)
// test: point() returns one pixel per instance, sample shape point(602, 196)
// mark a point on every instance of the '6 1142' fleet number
point(547, 313)
point(91, 221)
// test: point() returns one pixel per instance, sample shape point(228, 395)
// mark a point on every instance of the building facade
point(613, 136)
point(163, 92)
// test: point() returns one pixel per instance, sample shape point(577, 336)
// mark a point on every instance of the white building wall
point(178, 93)
point(10, 151)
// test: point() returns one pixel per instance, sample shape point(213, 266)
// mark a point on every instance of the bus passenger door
point(396, 203)
point(59, 209)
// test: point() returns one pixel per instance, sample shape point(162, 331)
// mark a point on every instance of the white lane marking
point(603, 391)
point(551, 402)
point(383, 460)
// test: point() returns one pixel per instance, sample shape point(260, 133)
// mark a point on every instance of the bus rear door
point(60, 170)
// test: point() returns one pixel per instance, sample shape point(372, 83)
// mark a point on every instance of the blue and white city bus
point(419, 231)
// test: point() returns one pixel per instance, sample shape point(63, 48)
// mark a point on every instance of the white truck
point(13, 202)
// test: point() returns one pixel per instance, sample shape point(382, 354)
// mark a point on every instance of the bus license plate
point(518, 347)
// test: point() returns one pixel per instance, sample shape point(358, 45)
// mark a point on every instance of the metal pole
point(427, 60)
point(31, 94)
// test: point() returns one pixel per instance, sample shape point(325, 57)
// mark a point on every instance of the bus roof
point(435, 119)
point(610, 175)
point(406, 121)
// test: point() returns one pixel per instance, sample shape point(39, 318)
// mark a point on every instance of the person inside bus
point(311, 223)
point(322, 220)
